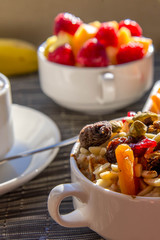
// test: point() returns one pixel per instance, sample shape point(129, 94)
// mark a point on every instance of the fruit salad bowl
point(82, 72)
point(95, 90)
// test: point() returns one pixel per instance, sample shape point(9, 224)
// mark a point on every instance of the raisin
point(153, 162)
point(110, 153)
point(95, 134)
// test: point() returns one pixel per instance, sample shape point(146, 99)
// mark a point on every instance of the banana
point(17, 57)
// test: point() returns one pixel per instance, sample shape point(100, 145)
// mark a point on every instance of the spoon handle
point(30, 152)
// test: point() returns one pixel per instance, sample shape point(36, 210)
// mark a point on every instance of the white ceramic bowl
point(95, 90)
point(111, 214)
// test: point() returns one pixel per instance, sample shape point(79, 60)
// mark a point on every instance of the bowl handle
point(57, 194)
point(106, 88)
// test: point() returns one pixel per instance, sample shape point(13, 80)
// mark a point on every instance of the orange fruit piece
point(154, 108)
point(156, 99)
point(146, 42)
point(158, 90)
point(124, 36)
point(96, 24)
point(114, 24)
point(83, 33)
point(125, 160)
point(112, 53)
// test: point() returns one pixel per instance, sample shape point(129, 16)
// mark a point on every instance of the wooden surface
point(23, 212)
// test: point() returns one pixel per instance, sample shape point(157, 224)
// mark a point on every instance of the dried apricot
point(125, 160)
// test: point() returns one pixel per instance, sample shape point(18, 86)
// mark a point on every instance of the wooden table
point(23, 212)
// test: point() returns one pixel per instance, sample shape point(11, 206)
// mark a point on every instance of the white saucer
point(32, 130)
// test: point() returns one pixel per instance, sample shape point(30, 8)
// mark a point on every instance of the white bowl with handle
point(95, 90)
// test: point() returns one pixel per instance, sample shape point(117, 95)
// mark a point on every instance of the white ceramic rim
point(41, 49)
point(74, 166)
point(6, 84)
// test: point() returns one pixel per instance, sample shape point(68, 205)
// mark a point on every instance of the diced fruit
point(145, 41)
point(62, 55)
point(107, 35)
point(155, 101)
point(154, 108)
point(123, 41)
point(124, 36)
point(66, 22)
point(96, 24)
point(130, 52)
point(112, 53)
point(49, 42)
point(125, 160)
point(133, 26)
point(56, 41)
point(92, 54)
point(84, 32)
point(114, 24)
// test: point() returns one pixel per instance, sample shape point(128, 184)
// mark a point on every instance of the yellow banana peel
point(17, 57)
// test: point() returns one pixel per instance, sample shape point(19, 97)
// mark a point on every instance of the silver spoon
point(30, 152)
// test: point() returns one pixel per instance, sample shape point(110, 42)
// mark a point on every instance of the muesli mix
point(123, 155)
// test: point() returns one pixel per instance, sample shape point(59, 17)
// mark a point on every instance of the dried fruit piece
point(132, 25)
point(130, 52)
point(156, 99)
point(92, 54)
point(62, 55)
point(95, 134)
point(154, 108)
point(153, 162)
point(66, 22)
point(131, 114)
point(110, 153)
point(125, 160)
point(107, 35)
point(140, 148)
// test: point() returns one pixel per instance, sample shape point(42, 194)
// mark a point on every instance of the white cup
point(96, 90)
point(111, 214)
point(6, 123)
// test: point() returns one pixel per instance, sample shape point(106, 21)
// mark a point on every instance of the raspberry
point(141, 147)
point(133, 26)
point(62, 55)
point(92, 54)
point(107, 35)
point(66, 22)
point(130, 52)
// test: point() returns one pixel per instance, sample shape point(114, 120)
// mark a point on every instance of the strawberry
point(62, 55)
point(133, 26)
point(92, 54)
point(130, 52)
point(107, 35)
point(66, 22)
